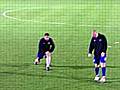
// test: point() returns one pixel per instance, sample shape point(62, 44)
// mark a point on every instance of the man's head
point(94, 34)
point(46, 36)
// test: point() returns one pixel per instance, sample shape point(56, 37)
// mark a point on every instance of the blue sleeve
point(91, 46)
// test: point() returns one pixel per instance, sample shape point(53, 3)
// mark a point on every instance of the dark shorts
point(99, 59)
point(41, 55)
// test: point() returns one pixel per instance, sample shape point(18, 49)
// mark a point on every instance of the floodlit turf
point(69, 22)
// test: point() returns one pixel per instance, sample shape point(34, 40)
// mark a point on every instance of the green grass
point(72, 69)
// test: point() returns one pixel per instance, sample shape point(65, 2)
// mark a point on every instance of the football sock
point(103, 71)
point(97, 71)
point(48, 61)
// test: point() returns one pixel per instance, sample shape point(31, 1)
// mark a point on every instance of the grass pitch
point(69, 22)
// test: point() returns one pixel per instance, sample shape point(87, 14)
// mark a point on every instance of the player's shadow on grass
point(8, 73)
point(15, 65)
point(18, 66)
point(73, 67)
point(113, 66)
point(67, 77)
point(108, 80)
point(59, 66)
point(113, 80)
point(81, 67)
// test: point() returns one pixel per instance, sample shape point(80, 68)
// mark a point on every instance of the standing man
point(46, 47)
point(99, 45)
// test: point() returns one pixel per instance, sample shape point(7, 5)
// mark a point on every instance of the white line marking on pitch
point(10, 17)
point(116, 43)
point(95, 26)
point(109, 46)
point(57, 23)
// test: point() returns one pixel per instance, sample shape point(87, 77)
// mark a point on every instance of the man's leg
point(96, 62)
point(97, 72)
point(39, 56)
point(103, 66)
point(48, 60)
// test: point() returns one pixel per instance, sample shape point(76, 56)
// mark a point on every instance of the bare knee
point(103, 64)
point(96, 65)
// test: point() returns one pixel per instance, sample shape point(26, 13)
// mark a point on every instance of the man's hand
point(102, 54)
point(89, 55)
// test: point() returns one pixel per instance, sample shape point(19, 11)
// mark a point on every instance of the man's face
point(95, 34)
point(46, 38)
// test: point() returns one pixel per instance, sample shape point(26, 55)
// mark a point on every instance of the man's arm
point(91, 46)
point(52, 46)
point(104, 44)
point(104, 49)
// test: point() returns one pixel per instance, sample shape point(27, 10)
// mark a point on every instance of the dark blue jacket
point(98, 44)
point(46, 45)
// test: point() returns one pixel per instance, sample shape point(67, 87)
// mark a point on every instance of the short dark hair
point(46, 34)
